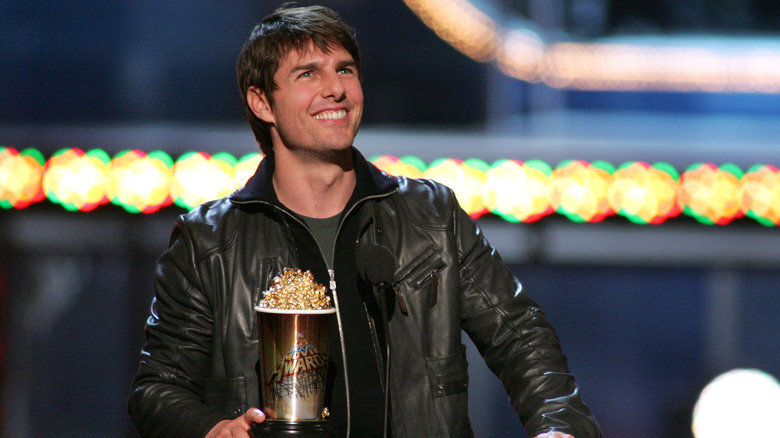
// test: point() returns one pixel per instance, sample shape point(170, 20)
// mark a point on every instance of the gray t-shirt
point(324, 231)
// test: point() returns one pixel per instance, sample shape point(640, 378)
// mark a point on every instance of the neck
point(317, 187)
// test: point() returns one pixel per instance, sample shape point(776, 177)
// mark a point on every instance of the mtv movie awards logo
point(300, 373)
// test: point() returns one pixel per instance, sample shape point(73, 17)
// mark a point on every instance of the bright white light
point(739, 403)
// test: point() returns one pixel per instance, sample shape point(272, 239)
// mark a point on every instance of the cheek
point(295, 103)
point(357, 94)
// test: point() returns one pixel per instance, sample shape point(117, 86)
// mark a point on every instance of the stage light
point(140, 183)
point(657, 63)
point(198, 177)
point(518, 191)
point(515, 190)
point(643, 193)
point(465, 178)
point(709, 193)
point(246, 167)
point(580, 190)
point(20, 177)
point(742, 402)
point(759, 194)
point(77, 180)
point(521, 54)
point(460, 24)
point(411, 167)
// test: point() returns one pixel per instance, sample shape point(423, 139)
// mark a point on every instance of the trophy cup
point(293, 328)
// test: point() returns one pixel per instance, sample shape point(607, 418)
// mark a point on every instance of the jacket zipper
point(434, 287)
point(332, 275)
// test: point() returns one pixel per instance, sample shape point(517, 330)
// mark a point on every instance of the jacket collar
point(370, 182)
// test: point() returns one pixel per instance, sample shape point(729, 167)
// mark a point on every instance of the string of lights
point(515, 190)
point(621, 64)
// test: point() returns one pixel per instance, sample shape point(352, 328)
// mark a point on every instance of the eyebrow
point(315, 65)
point(304, 67)
point(347, 63)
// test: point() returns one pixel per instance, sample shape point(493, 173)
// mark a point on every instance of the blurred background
point(647, 129)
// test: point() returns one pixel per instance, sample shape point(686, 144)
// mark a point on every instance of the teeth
point(331, 115)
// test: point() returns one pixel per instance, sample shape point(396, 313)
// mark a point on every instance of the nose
point(333, 87)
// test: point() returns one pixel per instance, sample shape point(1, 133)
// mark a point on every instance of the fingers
point(238, 427)
point(554, 435)
point(252, 416)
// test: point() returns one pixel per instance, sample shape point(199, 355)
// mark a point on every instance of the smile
point(331, 115)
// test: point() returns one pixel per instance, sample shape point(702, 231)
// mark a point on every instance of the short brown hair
point(286, 29)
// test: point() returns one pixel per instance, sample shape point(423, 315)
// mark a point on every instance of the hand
point(554, 435)
point(238, 427)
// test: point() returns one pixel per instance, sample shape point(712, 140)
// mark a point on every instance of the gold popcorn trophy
point(293, 327)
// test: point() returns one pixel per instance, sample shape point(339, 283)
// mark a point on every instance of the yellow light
point(518, 191)
point(465, 179)
point(580, 191)
point(460, 24)
point(759, 194)
point(140, 182)
point(400, 167)
point(643, 193)
point(20, 177)
point(246, 167)
point(710, 194)
point(76, 180)
point(665, 66)
point(197, 178)
point(515, 190)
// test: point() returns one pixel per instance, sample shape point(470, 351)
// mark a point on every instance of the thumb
point(253, 415)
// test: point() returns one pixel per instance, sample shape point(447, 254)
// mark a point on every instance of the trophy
point(293, 327)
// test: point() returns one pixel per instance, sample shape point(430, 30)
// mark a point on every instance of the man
point(314, 203)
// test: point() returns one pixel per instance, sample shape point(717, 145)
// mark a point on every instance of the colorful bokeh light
point(645, 194)
point(20, 177)
point(709, 193)
point(759, 194)
point(246, 167)
point(199, 177)
point(77, 180)
point(580, 190)
point(465, 178)
point(139, 182)
point(411, 167)
point(517, 191)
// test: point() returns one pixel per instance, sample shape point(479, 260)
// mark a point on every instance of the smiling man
point(315, 203)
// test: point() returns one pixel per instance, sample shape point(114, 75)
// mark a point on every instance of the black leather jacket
point(198, 365)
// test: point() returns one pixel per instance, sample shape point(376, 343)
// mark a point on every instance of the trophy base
point(294, 429)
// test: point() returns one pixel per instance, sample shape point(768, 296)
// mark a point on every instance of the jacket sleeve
point(518, 343)
point(166, 398)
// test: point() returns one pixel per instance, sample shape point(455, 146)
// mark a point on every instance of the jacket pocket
point(420, 279)
point(449, 380)
point(228, 395)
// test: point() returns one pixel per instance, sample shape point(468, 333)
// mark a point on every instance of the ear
point(259, 104)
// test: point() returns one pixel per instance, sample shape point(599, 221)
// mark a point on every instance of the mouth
point(331, 115)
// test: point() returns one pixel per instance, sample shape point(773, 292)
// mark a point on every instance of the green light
point(517, 191)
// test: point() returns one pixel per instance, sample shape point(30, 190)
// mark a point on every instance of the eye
point(306, 74)
point(345, 71)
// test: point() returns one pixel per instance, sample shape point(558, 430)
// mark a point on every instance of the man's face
point(318, 104)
